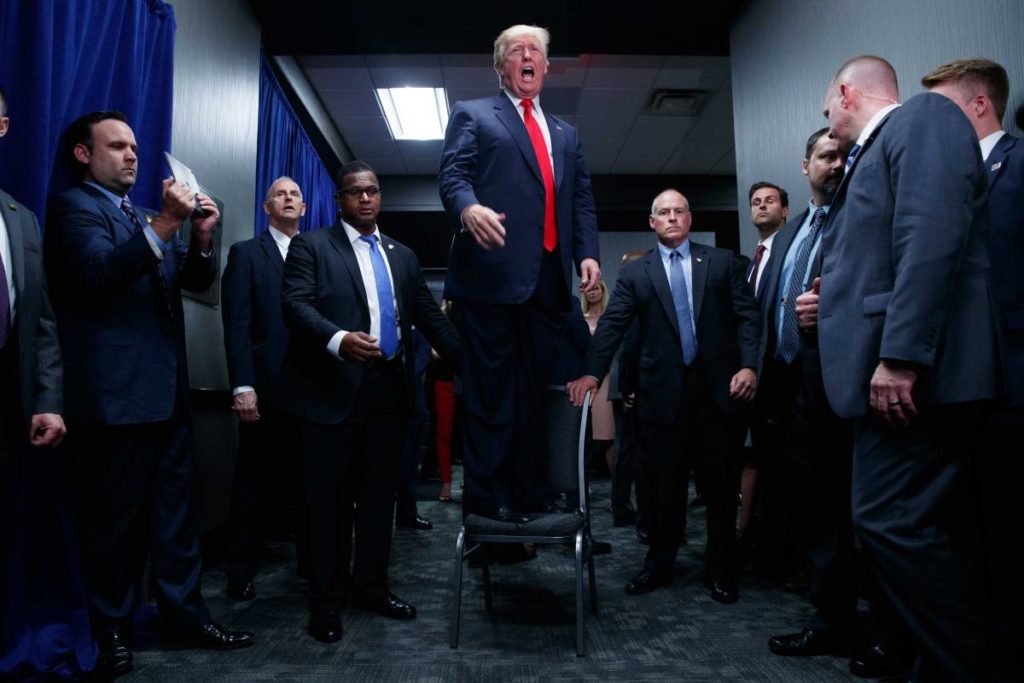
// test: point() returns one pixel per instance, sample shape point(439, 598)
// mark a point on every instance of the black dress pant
point(268, 492)
point(355, 462)
point(701, 438)
point(135, 499)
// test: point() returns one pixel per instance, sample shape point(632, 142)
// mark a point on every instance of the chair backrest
point(567, 438)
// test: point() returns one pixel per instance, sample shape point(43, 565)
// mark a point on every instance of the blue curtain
point(283, 148)
point(59, 60)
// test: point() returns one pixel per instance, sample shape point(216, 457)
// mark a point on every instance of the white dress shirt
point(362, 251)
point(5, 254)
point(988, 143)
point(538, 116)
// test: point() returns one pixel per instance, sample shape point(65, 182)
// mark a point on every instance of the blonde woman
point(602, 420)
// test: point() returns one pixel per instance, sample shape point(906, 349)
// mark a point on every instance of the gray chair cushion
point(557, 524)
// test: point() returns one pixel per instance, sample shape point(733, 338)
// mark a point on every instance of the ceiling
point(604, 96)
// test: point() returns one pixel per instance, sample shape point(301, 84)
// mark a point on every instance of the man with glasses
point(351, 296)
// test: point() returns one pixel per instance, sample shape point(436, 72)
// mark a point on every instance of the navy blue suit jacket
point(488, 159)
point(255, 337)
point(1005, 168)
point(124, 355)
point(905, 264)
point(39, 365)
point(322, 293)
point(727, 321)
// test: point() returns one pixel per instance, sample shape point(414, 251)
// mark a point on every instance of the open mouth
point(527, 73)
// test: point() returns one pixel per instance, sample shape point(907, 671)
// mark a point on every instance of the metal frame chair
point(567, 439)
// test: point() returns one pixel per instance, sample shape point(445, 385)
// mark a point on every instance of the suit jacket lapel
point(269, 245)
point(699, 262)
point(17, 243)
point(507, 114)
point(656, 274)
point(113, 212)
point(780, 246)
point(397, 269)
point(841, 192)
point(557, 147)
point(348, 257)
point(996, 161)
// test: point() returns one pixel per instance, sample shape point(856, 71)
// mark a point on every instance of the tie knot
point(369, 239)
point(527, 104)
point(126, 205)
point(675, 255)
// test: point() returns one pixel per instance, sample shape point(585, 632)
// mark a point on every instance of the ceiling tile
point(678, 78)
point(371, 128)
point(350, 102)
point(609, 127)
point(560, 101)
point(406, 77)
point(363, 148)
point(600, 154)
point(613, 101)
point(626, 71)
point(422, 166)
point(334, 78)
point(651, 143)
point(460, 94)
point(420, 149)
point(387, 165)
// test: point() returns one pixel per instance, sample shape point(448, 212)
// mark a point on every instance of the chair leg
point(457, 590)
point(488, 600)
point(579, 593)
point(593, 581)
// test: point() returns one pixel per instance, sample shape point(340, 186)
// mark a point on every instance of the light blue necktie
point(849, 159)
point(681, 298)
point(385, 299)
point(789, 344)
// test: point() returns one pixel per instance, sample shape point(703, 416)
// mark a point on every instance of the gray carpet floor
point(676, 633)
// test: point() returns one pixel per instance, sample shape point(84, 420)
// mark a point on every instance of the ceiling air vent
point(669, 102)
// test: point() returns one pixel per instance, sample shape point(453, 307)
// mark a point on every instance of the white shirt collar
point(767, 241)
point(354, 235)
point(517, 100)
point(873, 123)
point(281, 238)
point(988, 143)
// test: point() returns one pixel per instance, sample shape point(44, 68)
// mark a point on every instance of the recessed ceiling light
point(414, 113)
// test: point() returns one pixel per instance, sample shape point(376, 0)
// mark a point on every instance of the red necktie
point(544, 161)
point(757, 264)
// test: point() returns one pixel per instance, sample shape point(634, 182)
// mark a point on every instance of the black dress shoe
point(416, 522)
point(875, 662)
point(389, 605)
point(643, 536)
point(324, 625)
point(723, 589)
point(646, 581)
point(213, 636)
point(600, 547)
point(114, 658)
point(808, 643)
point(241, 591)
point(507, 514)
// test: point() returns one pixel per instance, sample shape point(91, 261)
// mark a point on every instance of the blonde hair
point(501, 42)
point(585, 303)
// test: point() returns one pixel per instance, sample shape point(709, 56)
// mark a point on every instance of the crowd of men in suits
point(868, 345)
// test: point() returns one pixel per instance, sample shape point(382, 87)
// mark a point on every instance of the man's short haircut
point(812, 141)
point(968, 75)
point(872, 70)
point(3, 103)
point(654, 202)
point(80, 133)
point(760, 185)
point(276, 181)
point(350, 168)
point(505, 37)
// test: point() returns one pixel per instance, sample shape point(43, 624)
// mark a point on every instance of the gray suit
point(905, 276)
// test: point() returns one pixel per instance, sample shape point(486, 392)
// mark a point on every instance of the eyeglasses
point(357, 192)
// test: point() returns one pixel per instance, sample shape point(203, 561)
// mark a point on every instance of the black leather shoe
point(390, 606)
point(114, 658)
point(643, 536)
point(645, 582)
point(213, 636)
point(241, 591)
point(808, 643)
point(875, 662)
point(723, 589)
point(324, 625)
point(416, 522)
point(600, 547)
point(507, 514)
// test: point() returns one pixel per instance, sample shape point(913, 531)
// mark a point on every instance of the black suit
point(681, 404)
point(352, 418)
point(812, 475)
point(267, 472)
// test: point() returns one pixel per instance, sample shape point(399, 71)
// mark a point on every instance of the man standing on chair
point(517, 193)
point(699, 335)
point(351, 296)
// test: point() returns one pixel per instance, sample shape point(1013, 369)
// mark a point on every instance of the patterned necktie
point(5, 306)
point(789, 343)
point(157, 271)
point(849, 159)
point(385, 299)
point(758, 255)
point(544, 161)
point(681, 299)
